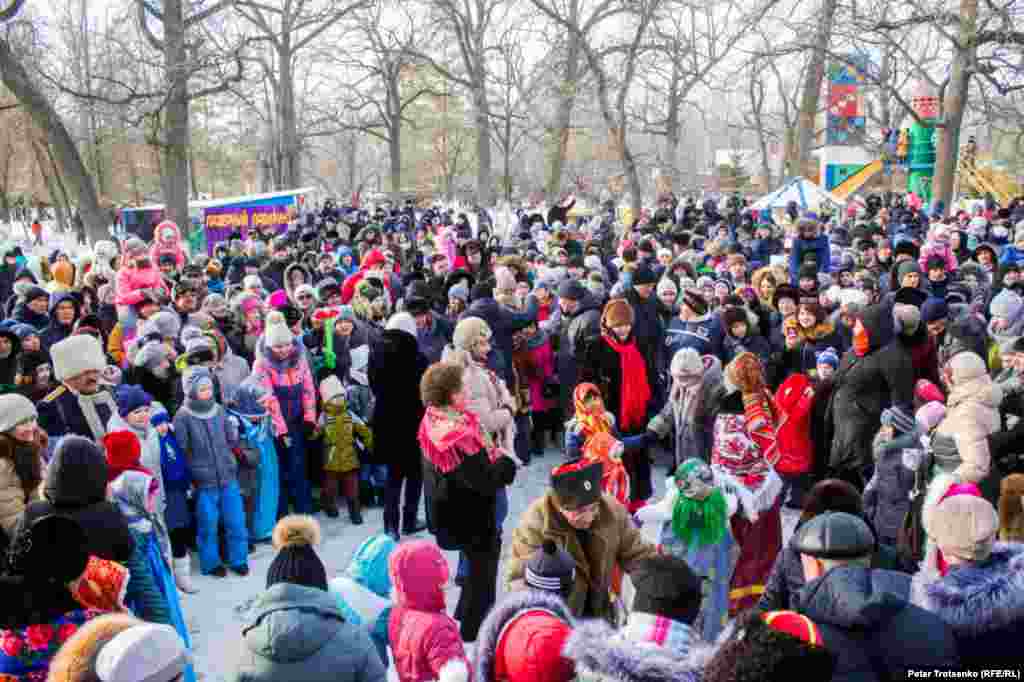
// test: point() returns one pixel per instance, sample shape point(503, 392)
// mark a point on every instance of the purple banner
point(222, 221)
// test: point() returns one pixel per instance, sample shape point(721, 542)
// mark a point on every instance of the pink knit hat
point(927, 392)
point(930, 415)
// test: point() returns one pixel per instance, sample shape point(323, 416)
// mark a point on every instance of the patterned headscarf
point(594, 418)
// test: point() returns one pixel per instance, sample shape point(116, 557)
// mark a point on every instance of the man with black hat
point(576, 319)
point(593, 528)
point(433, 332)
point(864, 614)
point(696, 328)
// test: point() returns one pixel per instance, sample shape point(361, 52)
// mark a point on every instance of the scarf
point(447, 434)
point(635, 389)
point(700, 523)
point(592, 420)
point(88, 405)
point(603, 447)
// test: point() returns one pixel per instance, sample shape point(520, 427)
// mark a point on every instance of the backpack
point(793, 402)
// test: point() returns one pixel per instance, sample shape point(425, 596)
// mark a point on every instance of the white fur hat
point(686, 362)
point(505, 279)
point(75, 355)
point(468, 331)
point(403, 322)
point(331, 388)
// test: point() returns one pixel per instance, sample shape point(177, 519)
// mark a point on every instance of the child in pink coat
point(137, 274)
point(425, 640)
point(167, 241)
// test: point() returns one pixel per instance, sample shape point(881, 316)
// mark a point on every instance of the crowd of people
point(861, 372)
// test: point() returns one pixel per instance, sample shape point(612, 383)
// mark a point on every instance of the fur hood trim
point(503, 613)
point(596, 647)
point(977, 598)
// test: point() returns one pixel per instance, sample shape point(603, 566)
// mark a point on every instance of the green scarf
point(700, 522)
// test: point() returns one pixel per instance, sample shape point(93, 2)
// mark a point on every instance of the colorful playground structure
point(912, 149)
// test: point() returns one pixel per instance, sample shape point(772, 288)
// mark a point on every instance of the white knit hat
point(144, 653)
point(686, 362)
point(360, 361)
point(403, 322)
point(331, 388)
point(277, 332)
point(75, 355)
point(15, 409)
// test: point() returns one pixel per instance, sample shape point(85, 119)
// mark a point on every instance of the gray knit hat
point(164, 323)
point(15, 409)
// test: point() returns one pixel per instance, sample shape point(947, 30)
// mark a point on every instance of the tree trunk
point(632, 178)
point(291, 152)
point(17, 80)
point(563, 117)
point(46, 172)
point(395, 164)
point(484, 188)
point(811, 94)
point(176, 115)
point(947, 145)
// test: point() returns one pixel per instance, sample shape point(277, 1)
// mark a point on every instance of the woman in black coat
point(463, 473)
point(395, 368)
point(614, 363)
point(878, 372)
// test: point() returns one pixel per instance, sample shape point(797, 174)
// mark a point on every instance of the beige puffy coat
point(487, 397)
point(972, 414)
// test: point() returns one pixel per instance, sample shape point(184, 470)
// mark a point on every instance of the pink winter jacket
point(424, 639)
point(131, 280)
point(295, 371)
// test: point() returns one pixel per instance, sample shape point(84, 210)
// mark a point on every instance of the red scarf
point(635, 391)
point(447, 435)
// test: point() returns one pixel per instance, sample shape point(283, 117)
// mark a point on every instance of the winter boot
point(355, 514)
point(183, 575)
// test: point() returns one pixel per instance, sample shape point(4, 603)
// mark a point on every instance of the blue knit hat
point(829, 357)
point(194, 379)
point(130, 398)
point(247, 399)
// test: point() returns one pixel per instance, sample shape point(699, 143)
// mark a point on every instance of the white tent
point(805, 193)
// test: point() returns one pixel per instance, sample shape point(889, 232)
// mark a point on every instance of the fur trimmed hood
point(502, 614)
point(598, 648)
point(978, 598)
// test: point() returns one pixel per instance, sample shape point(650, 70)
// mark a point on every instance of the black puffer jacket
point(75, 486)
point(867, 621)
point(864, 386)
point(572, 332)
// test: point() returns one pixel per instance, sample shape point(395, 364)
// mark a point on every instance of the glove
point(283, 442)
point(309, 430)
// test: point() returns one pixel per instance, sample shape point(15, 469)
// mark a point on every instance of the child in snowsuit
point(207, 438)
point(364, 589)
point(897, 450)
point(249, 410)
point(344, 436)
point(177, 480)
point(425, 640)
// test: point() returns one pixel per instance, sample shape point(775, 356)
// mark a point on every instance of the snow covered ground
point(215, 615)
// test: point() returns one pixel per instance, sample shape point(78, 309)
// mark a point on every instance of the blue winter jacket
point(363, 592)
point(704, 335)
point(206, 440)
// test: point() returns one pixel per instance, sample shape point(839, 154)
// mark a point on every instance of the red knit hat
point(123, 450)
point(795, 625)
point(530, 650)
point(373, 258)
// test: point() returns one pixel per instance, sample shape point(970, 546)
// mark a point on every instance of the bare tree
point(614, 65)
point(17, 80)
point(291, 27)
point(388, 82)
point(471, 23)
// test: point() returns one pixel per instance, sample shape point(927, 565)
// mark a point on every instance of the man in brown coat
point(593, 528)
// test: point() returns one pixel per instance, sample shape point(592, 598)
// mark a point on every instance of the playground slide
point(853, 183)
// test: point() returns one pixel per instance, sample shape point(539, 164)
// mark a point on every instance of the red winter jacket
point(372, 259)
point(424, 638)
